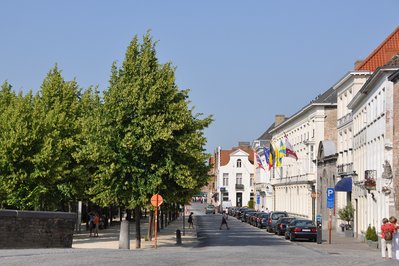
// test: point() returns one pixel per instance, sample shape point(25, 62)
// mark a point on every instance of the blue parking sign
point(330, 198)
point(258, 199)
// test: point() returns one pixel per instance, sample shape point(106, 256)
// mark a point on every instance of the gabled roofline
point(350, 74)
point(297, 114)
point(366, 88)
point(376, 50)
point(235, 151)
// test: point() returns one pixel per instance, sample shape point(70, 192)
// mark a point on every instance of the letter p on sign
point(330, 198)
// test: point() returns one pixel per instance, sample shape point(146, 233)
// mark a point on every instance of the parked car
point(301, 228)
point(250, 216)
point(239, 212)
point(263, 220)
point(255, 219)
point(244, 215)
point(210, 209)
point(273, 217)
point(281, 225)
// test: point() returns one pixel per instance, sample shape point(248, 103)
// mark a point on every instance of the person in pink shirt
point(387, 230)
point(395, 239)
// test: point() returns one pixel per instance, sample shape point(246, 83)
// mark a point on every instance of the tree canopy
point(154, 142)
point(140, 137)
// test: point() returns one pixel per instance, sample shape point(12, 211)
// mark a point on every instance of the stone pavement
point(109, 238)
point(340, 245)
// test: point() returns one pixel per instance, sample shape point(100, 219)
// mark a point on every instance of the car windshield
point(278, 215)
point(304, 223)
point(286, 220)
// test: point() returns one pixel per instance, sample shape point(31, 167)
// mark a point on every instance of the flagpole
point(254, 175)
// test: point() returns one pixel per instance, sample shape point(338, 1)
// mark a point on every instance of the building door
point(239, 199)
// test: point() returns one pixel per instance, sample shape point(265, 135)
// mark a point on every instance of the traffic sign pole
point(156, 201)
point(155, 225)
point(330, 205)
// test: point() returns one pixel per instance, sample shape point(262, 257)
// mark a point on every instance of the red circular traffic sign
point(156, 200)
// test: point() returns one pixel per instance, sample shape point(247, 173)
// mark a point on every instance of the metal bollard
point(178, 237)
point(319, 238)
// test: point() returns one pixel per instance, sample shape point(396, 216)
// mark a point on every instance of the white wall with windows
point(235, 179)
point(346, 89)
point(371, 113)
point(294, 182)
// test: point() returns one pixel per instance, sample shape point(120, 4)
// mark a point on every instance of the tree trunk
point(138, 234)
point(110, 215)
point(150, 225)
point(120, 213)
point(128, 214)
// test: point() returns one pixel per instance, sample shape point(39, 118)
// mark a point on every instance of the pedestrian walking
point(191, 220)
point(395, 238)
point(96, 224)
point(387, 230)
point(225, 217)
point(91, 223)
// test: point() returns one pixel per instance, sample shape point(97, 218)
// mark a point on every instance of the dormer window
point(239, 163)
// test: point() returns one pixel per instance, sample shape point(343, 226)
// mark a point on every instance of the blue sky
point(244, 61)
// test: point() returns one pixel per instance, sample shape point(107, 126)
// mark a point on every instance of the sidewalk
point(109, 238)
point(341, 245)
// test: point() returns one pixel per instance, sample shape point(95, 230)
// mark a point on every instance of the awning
point(345, 185)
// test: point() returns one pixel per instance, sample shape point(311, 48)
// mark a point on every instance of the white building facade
point(263, 186)
point(372, 144)
point(295, 188)
point(235, 176)
point(347, 88)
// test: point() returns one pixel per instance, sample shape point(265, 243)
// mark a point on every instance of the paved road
point(241, 245)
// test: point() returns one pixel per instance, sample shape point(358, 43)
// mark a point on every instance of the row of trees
point(64, 144)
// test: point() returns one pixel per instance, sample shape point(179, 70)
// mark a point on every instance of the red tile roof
point(382, 54)
point(225, 155)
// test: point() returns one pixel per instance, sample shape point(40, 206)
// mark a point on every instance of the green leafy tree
point(347, 214)
point(17, 148)
point(89, 151)
point(56, 115)
point(154, 141)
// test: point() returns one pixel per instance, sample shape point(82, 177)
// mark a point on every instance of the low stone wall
point(31, 229)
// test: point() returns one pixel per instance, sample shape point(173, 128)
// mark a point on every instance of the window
point(225, 196)
point(251, 180)
point(225, 179)
point(239, 163)
point(239, 178)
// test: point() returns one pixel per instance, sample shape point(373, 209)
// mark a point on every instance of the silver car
point(210, 209)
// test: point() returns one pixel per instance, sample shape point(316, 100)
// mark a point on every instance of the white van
point(225, 205)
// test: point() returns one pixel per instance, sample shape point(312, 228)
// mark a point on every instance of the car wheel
point(292, 238)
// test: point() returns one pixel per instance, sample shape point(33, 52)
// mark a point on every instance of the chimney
point(279, 119)
point(244, 144)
